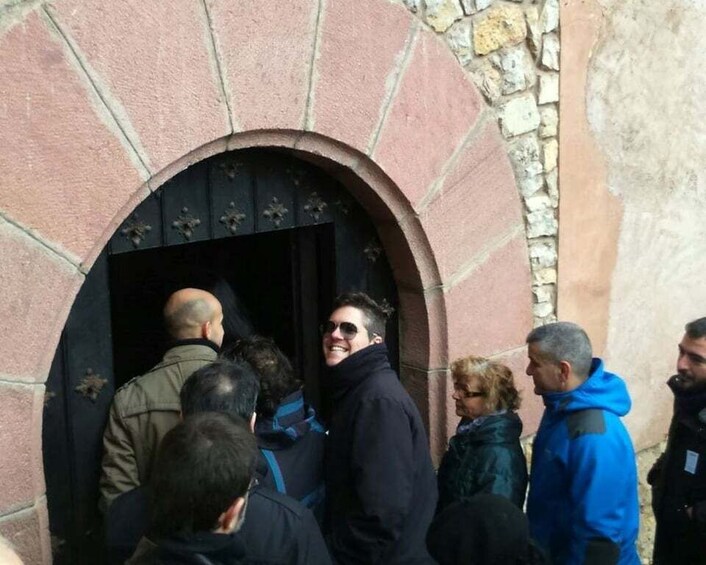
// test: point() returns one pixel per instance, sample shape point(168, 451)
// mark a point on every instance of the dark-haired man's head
point(201, 476)
point(222, 386)
point(191, 313)
point(277, 379)
point(356, 322)
point(691, 362)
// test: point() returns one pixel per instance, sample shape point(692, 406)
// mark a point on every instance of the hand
point(689, 511)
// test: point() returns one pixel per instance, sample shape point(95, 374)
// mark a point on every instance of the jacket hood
point(601, 390)
point(355, 369)
point(292, 421)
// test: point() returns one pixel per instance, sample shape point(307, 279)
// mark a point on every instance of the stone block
point(154, 61)
point(544, 293)
point(553, 187)
point(550, 153)
point(550, 52)
point(544, 276)
point(378, 41)
point(531, 184)
point(524, 155)
point(548, 121)
point(266, 61)
point(31, 315)
point(488, 79)
point(477, 203)
point(490, 311)
point(21, 469)
point(483, 4)
point(468, 7)
point(440, 14)
point(434, 109)
point(541, 222)
point(413, 5)
point(538, 201)
point(517, 68)
point(549, 18)
point(52, 118)
point(534, 30)
point(459, 39)
point(543, 253)
point(519, 115)
point(543, 309)
point(28, 532)
point(502, 26)
point(548, 88)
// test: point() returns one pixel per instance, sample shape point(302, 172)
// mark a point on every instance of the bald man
point(147, 407)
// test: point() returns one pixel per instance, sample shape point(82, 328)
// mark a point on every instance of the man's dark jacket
point(381, 488)
point(486, 459)
point(277, 529)
point(203, 548)
point(678, 481)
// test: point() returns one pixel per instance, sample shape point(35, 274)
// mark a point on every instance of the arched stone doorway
point(109, 100)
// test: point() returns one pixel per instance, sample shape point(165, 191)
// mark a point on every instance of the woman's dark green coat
point(486, 459)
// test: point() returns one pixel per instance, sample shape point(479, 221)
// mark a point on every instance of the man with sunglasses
point(381, 488)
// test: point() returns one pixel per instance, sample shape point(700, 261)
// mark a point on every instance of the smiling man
point(678, 478)
point(582, 504)
point(381, 489)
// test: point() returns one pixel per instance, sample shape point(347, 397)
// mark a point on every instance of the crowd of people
point(215, 457)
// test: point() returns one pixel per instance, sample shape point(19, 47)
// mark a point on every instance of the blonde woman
point(485, 455)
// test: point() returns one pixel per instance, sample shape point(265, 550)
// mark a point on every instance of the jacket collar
point(358, 367)
point(195, 341)
point(201, 548)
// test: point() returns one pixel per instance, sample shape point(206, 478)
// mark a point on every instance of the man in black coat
point(678, 478)
point(380, 484)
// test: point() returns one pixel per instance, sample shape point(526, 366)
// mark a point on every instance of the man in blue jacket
point(380, 485)
point(582, 505)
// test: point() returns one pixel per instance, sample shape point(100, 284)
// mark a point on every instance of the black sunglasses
point(348, 329)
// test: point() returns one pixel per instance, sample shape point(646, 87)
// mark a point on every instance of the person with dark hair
point(147, 407)
point(277, 529)
point(289, 436)
point(202, 473)
point(485, 455)
point(485, 529)
point(222, 386)
point(380, 483)
point(678, 478)
point(582, 503)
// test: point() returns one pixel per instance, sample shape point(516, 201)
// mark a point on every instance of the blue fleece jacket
point(582, 504)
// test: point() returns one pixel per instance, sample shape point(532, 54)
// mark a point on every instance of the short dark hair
point(202, 466)
point(222, 386)
point(277, 378)
point(696, 329)
point(375, 314)
point(564, 341)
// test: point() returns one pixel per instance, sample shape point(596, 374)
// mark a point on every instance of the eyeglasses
point(467, 393)
point(348, 329)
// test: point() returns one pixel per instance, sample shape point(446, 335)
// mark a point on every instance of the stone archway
point(105, 101)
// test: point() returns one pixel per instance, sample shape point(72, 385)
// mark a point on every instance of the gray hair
point(564, 341)
point(696, 329)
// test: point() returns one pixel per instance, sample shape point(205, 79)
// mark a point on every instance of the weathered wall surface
point(646, 102)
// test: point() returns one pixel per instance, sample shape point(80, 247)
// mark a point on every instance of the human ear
point(228, 521)
point(206, 330)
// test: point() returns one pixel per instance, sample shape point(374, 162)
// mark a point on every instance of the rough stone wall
point(510, 49)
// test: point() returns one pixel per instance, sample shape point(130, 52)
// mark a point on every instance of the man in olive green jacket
point(147, 407)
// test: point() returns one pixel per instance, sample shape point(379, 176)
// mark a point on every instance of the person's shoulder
point(268, 500)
